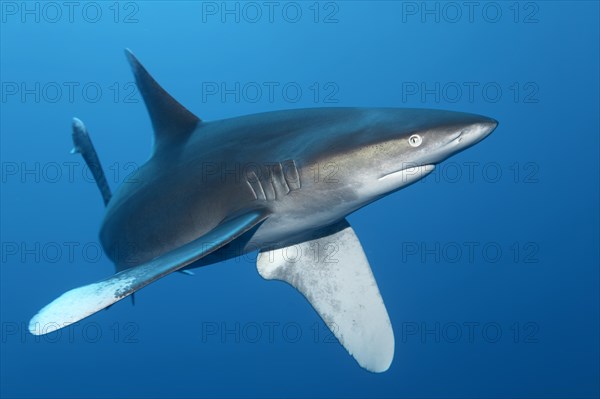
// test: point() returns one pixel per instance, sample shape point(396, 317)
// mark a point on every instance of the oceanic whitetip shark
point(214, 190)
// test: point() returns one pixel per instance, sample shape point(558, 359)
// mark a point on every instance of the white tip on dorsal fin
point(172, 122)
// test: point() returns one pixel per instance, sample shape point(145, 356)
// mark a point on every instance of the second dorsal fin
point(172, 122)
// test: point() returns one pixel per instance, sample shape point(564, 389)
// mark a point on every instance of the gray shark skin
point(340, 155)
point(215, 190)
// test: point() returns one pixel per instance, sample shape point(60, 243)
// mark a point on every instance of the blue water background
point(541, 294)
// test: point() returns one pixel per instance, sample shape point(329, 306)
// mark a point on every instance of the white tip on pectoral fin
point(82, 302)
point(333, 273)
point(77, 304)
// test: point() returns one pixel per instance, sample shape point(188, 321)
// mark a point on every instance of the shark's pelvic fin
point(82, 302)
point(172, 122)
point(333, 273)
point(82, 144)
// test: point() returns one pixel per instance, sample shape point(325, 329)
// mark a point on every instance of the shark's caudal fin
point(82, 302)
point(333, 273)
point(172, 122)
point(82, 144)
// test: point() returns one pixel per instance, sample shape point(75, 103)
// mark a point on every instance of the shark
point(281, 183)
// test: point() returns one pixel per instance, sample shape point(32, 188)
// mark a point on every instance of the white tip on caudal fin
point(333, 273)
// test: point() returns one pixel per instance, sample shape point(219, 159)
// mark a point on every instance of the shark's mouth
point(408, 175)
point(458, 138)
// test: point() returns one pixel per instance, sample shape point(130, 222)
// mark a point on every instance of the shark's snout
point(440, 143)
point(478, 131)
point(487, 127)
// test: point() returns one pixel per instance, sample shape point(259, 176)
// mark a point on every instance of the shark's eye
point(415, 140)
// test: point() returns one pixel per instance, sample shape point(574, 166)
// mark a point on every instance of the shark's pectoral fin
point(81, 302)
point(333, 273)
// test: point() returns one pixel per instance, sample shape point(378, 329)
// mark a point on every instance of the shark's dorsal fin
point(172, 122)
